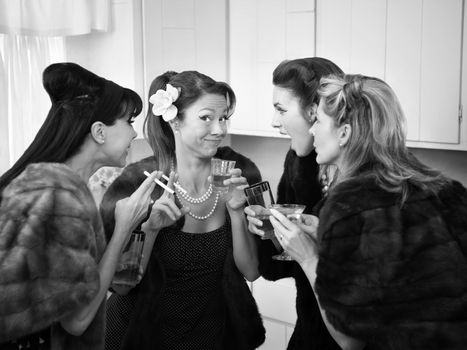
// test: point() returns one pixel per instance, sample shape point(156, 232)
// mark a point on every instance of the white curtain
point(54, 17)
point(33, 37)
point(25, 57)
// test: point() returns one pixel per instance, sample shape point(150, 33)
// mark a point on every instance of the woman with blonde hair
point(389, 258)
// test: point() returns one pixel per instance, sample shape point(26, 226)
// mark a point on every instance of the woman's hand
point(254, 223)
point(236, 198)
point(299, 240)
point(130, 211)
point(164, 211)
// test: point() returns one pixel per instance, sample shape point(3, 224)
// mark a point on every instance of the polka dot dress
point(192, 304)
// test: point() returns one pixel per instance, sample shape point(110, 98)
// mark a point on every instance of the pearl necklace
point(194, 200)
point(202, 217)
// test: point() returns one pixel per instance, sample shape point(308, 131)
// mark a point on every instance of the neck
point(83, 164)
point(193, 172)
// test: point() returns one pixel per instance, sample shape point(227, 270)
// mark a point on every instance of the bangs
point(131, 104)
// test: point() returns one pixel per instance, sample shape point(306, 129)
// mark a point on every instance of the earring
point(340, 144)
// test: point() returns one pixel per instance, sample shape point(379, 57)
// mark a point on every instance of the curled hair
point(377, 143)
point(301, 77)
point(192, 86)
point(79, 99)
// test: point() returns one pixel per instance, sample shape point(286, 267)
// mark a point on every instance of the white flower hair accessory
point(163, 101)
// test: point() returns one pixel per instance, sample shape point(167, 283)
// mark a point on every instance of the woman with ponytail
point(55, 266)
point(193, 294)
point(388, 260)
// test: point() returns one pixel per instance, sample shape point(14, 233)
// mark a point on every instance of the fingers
point(248, 211)
point(254, 224)
point(236, 172)
point(282, 219)
point(148, 184)
point(170, 182)
point(254, 220)
point(236, 181)
point(311, 231)
point(278, 231)
point(310, 220)
point(255, 230)
point(254, 210)
point(167, 210)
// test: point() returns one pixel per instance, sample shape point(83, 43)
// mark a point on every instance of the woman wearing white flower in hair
point(193, 294)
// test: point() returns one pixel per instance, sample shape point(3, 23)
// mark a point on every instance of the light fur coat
point(51, 240)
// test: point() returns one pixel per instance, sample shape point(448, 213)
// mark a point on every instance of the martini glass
point(293, 212)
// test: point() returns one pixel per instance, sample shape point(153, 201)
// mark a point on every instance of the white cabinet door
point(404, 32)
point(441, 70)
point(184, 35)
point(352, 33)
point(423, 65)
point(262, 34)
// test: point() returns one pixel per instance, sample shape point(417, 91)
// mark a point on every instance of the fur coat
point(51, 240)
point(299, 184)
point(136, 314)
point(395, 276)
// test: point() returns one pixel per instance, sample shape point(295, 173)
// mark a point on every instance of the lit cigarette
point(180, 188)
point(168, 189)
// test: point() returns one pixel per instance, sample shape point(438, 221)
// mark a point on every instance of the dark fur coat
point(299, 184)
point(135, 317)
point(395, 276)
point(51, 240)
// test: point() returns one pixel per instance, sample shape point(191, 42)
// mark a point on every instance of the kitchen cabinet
point(416, 46)
point(262, 33)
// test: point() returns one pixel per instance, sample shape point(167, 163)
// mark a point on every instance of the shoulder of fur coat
point(395, 275)
point(51, 239)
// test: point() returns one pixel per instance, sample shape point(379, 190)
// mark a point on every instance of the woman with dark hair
point(388, 260)
point(295, 99)
point(55, 266)
point(193, 294)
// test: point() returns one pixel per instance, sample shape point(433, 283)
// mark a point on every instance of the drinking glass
point(220, 171)
point(130, 260)
point(259, 197)
point(293, 212)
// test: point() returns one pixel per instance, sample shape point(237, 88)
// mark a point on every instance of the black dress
point(299, 184)
point(192, 295)
point(191, 305)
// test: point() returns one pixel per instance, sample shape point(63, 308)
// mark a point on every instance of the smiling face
point(117, 143)
point(328, 141)
point(204, 126)
point(291, 120)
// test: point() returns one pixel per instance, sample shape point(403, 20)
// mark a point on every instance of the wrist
point(148, 229)
point(236, 209)
point(310, 265)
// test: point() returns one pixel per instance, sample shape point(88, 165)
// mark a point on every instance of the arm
point(164, 212)
point(78, 321)
point(301, 243)
point(244, 245)
point(344, 341)
point(129, 212)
